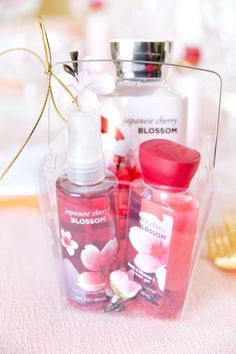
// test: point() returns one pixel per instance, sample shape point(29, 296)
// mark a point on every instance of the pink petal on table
point(141, 240)
point(146, 262)
point(90, 257)
point(129, 289)
point(161, 277)
point(102, 84)
point(92, 281)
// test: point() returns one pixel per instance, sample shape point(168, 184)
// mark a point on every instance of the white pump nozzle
point(85, 157)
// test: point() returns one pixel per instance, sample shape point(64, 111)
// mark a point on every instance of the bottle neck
point(85, 157)
point(85, 174)
point(166, 189)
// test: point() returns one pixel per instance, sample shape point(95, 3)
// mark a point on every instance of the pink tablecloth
point(32, 323)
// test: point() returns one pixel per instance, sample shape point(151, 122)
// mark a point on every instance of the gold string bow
point(47, 65)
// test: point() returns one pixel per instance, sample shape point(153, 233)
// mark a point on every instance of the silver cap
point(128, 49)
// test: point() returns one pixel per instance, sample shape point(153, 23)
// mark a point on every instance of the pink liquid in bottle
point(88, 219)
point(162, 223)
point(125, 174)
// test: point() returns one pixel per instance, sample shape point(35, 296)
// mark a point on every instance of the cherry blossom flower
point(68, 243)
point(123, 285)
point(93, 281)
point(152, 252)
point(98, 263)
point(85, 86)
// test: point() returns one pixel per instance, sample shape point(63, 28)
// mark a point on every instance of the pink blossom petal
point(110, 248)
point(146, 262)
point(102, 84)
point(70, 250)
point(67, 235)
point(88, 98)
point(141, 240)
point(129, 289)
point(62, 232)
point(117, 277)
point(92, 281)
point(165, 256)
point(74, 244)
point(90, 257)
point(122, 286)
point(161, 277)
point(92, 250)
point(64, 242)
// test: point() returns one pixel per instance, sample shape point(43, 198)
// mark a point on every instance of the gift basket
point(124, 192)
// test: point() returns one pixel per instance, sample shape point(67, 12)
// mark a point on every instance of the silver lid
point(128, 49)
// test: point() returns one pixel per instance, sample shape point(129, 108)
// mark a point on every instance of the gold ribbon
point(48, 70)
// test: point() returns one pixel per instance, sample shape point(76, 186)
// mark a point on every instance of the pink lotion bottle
point(162, 224)
point(88, 217)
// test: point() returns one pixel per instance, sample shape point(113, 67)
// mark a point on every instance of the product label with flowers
point(133, 120)
point(92, 254)
point(148, 253)
point(90, 246)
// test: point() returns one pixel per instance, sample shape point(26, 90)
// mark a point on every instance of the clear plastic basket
point(116, 263)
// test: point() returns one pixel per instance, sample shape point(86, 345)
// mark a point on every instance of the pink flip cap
point(168, 164)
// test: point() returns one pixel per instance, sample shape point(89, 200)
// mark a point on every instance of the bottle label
point(150, 240)
point(89, 245)
point(127, 121)
point(133, 120)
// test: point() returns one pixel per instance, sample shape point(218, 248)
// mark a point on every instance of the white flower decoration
point(68, 243)
point(85, 86)
point(123, 285)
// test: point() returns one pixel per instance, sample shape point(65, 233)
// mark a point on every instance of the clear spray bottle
point(88, 215)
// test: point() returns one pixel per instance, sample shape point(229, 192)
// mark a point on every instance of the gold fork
point(221, 241)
